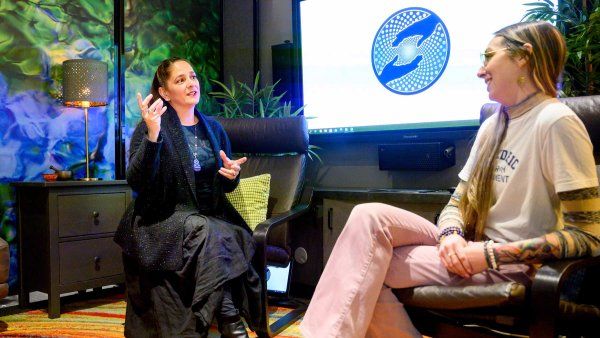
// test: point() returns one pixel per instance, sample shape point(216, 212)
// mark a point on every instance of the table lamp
point(85, 85)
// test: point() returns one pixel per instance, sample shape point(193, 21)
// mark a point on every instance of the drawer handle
point(97, 263)
point(95, 215)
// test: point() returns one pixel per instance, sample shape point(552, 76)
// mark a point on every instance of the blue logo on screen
point(410, 51)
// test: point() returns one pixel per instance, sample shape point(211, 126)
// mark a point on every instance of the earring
point(521, 80)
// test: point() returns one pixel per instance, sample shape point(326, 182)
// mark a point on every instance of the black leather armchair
point(277, 146)
point(563, 299)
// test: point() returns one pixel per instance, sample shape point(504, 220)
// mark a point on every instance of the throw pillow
point(251, 198)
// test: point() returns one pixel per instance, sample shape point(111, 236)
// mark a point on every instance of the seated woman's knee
point(371, 211)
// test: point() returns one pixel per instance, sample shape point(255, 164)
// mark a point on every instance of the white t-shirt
point(547, 150)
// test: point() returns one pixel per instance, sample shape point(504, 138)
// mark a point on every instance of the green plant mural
point(36, 36)
point(36, 130)
point(156, 30)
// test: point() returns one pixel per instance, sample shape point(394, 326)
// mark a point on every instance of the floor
point(10, 304)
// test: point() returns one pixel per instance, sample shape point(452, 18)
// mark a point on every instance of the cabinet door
point(335, 215)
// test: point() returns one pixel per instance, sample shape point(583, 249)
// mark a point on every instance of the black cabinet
point(331, 209)
point(65, 237)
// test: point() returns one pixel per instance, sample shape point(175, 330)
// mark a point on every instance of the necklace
point(196, 164)
point(519, 109)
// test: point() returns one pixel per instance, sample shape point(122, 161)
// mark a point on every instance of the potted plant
point(238, 100)
point(579, 21)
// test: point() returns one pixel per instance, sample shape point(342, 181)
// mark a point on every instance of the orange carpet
point(102, 317)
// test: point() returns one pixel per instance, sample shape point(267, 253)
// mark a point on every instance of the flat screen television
point(382, 65)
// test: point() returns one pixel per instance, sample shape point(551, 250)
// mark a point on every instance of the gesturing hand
point(231, 168)
point(151, 115)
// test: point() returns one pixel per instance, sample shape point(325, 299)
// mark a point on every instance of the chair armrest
point(259, 261)
point(261, 232)
point(545, 291)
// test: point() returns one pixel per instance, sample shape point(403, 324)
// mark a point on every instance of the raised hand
point(151, 115)
point(231, 168)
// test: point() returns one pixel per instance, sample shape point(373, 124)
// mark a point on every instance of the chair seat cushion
point(278, 256)
point(504, 294)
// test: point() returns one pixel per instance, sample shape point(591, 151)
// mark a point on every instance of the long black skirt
point(183, 303)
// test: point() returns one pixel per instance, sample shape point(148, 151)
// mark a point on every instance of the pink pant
point(382, 247)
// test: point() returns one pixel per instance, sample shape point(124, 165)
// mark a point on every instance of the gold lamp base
point(85, 86)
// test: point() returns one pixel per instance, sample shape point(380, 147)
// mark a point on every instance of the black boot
point(233, 330)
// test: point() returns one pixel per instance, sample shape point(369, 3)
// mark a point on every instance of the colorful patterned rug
point(102, 317)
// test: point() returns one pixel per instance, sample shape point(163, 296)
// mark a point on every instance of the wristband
point(490, 258)
point(451, 230)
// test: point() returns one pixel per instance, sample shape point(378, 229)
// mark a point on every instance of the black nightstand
point(66, 237)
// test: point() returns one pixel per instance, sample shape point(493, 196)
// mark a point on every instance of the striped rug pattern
point(94, 318)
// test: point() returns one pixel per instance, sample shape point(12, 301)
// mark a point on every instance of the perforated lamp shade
point(85, 83)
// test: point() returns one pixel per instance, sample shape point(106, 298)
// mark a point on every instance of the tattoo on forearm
point(450, 216)
point(584, 243)
point(582, 217)
point(456, 196)
point(580, 194)
point(568, 243)
point(563, 242)
point(528, 251)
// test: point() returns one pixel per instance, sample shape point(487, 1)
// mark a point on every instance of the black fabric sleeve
point(144, 161)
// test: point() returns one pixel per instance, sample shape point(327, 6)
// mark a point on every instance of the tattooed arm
point(580, 236)
point(450, 216)
point(450, 235)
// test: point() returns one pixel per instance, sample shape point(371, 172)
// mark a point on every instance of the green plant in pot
point(579, 21)
point(239, 100)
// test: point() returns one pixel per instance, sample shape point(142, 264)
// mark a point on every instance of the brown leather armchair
point(563, 299)
point(4, 267)
point(277, 146)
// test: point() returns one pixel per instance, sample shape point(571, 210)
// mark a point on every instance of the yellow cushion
point(251, 198)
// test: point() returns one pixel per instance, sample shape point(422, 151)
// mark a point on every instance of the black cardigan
point(151, 230)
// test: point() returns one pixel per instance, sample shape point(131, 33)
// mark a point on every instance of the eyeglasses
point(487, 56)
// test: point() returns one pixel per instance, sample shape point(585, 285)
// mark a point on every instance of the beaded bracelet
point(486, 255)
point(488, 251)
point(451, 230)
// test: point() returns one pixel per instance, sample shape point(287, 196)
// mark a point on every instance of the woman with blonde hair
point(527, 194)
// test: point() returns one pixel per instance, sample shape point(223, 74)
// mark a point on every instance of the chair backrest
point(586, 107)
point(277, 146)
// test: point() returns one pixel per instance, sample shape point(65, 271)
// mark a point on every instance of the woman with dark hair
point(528, 193)
point(186, 252)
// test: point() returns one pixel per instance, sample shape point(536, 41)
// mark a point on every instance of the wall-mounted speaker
point(426, 156)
